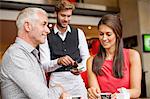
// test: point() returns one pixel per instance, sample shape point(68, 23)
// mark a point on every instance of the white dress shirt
point(51, 65)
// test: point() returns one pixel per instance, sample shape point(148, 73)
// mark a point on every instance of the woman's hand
point(123, 93)
point(114, 96)
point(94, 93)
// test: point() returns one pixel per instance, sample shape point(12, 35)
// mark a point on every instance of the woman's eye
point(109, 34)
point(101, 34)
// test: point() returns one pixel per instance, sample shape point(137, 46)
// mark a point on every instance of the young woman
point(113, 67)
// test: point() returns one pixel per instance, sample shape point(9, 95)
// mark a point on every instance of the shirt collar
point(24, 44)
point(57, 31)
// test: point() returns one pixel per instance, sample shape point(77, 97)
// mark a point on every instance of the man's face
point(39, 29)
point(63, 18)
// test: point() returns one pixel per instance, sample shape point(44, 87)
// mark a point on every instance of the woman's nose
point(104, 37)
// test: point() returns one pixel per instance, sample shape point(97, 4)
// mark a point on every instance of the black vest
point(69, 46)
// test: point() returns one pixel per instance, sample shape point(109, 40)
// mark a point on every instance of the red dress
point(107, 82)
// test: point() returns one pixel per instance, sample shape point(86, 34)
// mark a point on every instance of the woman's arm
point(135, 74)
point(94, 88)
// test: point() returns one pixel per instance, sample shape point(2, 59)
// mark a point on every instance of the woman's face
point(107, 37)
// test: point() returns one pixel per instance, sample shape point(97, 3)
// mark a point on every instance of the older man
point(21, 74)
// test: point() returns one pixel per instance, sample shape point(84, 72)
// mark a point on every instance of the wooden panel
point(8, 32)
point(90, 33)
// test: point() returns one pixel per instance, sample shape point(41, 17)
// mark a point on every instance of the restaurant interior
point(134, 13)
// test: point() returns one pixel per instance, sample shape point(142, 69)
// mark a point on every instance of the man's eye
point(45, 23)
point(69, 16)
point(63, 15)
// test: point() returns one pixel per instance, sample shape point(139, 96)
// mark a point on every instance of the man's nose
point(66, 18)
point(47, 30)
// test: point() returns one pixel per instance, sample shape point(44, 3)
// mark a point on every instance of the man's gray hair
point(30, 14)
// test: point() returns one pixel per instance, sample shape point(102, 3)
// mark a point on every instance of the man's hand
point(65, 60)
point(64, 95)
point(75, 71)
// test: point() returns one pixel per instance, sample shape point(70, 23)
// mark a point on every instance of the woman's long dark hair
point(113, 22)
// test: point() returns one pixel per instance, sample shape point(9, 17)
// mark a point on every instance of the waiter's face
point(63, 18)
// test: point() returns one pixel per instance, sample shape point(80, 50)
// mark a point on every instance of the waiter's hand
point(65, 60)
point(75, 71)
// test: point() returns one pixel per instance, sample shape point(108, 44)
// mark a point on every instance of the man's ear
point(27, 26)
point(55, 14)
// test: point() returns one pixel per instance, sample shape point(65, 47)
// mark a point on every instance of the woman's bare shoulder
point(134, 55)
point(133, 52)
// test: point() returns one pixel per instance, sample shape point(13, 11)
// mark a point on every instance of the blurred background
point(135, 16)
